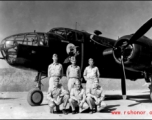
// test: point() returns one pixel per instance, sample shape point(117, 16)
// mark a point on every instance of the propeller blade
point(141, 31)
point(123, 79)
point(1, 47)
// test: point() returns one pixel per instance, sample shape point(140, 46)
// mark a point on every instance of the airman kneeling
point(57, 97)
point(95, 97)
point(78, 98)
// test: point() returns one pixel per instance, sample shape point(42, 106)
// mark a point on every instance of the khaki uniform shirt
point(57, 91)
point(98, 92)
point(55, 70)
point(91, 72)
point(79, 94)
point(73, 71)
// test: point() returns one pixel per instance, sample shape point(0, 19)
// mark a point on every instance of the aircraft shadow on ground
point(110, 108)
point(142, 98)
point(113, 97)
point(129, 97)
point(44, 104)
point(139, 99)
point(6, 98)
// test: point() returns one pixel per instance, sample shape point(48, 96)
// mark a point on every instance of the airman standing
point(73, 73)
point(55, 71)
point(91, 73)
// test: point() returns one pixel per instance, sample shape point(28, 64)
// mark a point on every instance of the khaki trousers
point(73, 103)
point(62, 105)
point(51, 81)
point(92, 104)
point(71, 83)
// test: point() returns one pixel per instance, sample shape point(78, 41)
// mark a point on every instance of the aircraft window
point(29, 42)
point(61, 32)
point(43, 40)
point(46, 39)
point(19, 37)
point(19, 42)
point(27, 39)
point(35, 41)
point(10, 38)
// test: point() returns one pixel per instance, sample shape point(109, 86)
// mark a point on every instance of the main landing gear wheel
point(35, 97)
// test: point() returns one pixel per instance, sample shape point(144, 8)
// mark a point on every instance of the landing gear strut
point(147, 77)
point(35, 95)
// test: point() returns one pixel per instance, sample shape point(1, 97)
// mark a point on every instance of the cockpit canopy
point(9, 44)
point(33, 39)
point(68, 34)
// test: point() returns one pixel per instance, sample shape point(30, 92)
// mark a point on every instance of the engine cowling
point(136, 56)
point(127, 53)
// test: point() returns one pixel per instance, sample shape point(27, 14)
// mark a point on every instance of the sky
point(113, 18)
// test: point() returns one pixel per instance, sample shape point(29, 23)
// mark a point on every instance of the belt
point(55, 76)
point(74, 77)
point(92, 78)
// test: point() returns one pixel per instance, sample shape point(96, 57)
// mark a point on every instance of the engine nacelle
point(137, 56)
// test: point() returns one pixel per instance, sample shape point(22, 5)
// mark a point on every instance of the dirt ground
point(13, 105)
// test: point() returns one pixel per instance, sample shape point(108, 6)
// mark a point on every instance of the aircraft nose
point(2, 52)
point(8, 48)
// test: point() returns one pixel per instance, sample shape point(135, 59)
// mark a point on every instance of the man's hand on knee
point(59, 100)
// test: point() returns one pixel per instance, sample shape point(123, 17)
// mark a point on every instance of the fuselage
point(34, 51)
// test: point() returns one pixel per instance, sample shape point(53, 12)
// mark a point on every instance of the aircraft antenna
point(76, 25)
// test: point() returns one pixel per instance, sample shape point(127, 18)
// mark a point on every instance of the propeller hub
point(120, 49)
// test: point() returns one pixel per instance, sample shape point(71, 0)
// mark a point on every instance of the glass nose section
point(9, 48)
point(10, 45)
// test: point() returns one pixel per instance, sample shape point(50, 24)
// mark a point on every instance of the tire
point(35, 97)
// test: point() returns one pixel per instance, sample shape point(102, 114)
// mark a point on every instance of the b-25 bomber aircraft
point(129, 57)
